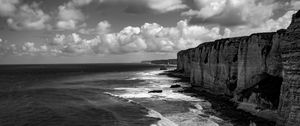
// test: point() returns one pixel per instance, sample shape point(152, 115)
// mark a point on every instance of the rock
point(175, 86)
point(204, 115)
point(155, 91)
point(163, 68)
point(261, 69)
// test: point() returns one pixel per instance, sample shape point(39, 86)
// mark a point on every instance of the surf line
point(151, 113)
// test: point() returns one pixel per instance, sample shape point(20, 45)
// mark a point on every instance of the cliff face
point(262, 69)
point(289, 107)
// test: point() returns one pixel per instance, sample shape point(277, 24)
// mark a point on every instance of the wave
point(68, 106)
point(151, 113)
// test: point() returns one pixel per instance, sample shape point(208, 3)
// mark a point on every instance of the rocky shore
point(222, 106)
point(261, 72)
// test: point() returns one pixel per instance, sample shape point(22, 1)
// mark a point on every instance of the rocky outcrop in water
point(261, 69)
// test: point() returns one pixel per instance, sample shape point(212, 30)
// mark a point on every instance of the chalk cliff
point(262, 69)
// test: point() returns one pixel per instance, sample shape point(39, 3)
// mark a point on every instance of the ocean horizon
point(149, 62)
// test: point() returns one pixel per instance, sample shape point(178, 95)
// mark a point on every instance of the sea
point(100, 95)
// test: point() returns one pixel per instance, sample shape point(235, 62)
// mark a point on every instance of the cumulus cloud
point(70, 44)
point(102, 27)
point(8, 7)
point(231, 12)
point(7, 48)
point(150, 37)
point(70, 15)
point(29, 17)
point(67, 25)
point(25, 16)
point(29, 47)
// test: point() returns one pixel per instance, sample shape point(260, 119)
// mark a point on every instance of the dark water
point(69, 95)
point(109, 95)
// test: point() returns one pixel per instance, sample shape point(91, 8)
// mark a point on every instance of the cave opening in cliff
point(267, 91)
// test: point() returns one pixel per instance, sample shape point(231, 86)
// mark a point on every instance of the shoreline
point(162, 121)
point(172, 107)
point(225, 107)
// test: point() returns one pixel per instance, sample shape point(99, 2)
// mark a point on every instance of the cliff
point(261, 69)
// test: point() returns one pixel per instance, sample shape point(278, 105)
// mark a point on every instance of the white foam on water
point(136, 95)
point(143, 92)
point(149, 73)
point(193, 117)
point(209, 119)
point(153, 81)
point(134, 92)
point(163, 120)
point(133, 78)
point(152, 75)
point(151, 113)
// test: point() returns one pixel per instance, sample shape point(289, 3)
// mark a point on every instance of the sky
point(125, 31)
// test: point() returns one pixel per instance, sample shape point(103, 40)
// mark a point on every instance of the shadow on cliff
point(223, 107)
point(267, 92)
point(227, 110)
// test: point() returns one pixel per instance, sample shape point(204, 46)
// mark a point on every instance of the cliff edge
point(261, 69)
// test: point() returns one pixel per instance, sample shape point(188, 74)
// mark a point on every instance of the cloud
point(270, 25)
point(29, 17)
point(102, 27)
point(80, 2)
point(152, 6)
point(29, 47)
point(67, 25)
point(161, 6)
point(208, 8)
point(230, 13)
point(295, 4)
point(70, 13)
point(69, 16)
point(150, 37)
point(24, 16)
point(7, 49)
point(8, 7)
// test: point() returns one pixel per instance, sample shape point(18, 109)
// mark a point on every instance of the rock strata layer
point(261, 69)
